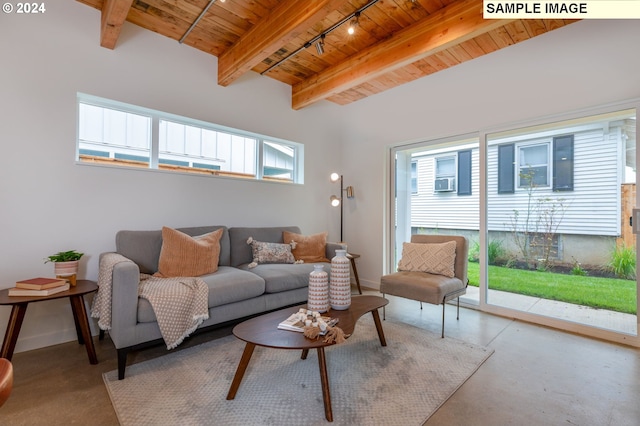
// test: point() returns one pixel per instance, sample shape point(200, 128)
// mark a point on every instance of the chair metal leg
point(458, 312)
point(443, 305)
point(420, 305)
point(384, 311)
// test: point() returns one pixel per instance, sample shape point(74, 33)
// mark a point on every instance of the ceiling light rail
point(320, 37)
point(205, 10)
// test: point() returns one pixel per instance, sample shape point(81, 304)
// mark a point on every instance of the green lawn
point(605, 293)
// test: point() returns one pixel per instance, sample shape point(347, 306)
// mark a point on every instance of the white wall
point(581, 65)
point(47, 59)
point(49, 203)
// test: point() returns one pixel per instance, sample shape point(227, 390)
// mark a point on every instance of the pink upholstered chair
point(427, 287)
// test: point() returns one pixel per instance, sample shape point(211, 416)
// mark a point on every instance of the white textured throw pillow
point(433, 258)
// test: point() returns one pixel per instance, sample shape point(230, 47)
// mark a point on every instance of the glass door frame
point(483, 304)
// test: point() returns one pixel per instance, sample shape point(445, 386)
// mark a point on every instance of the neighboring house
point(566, 179)
point(114, 133)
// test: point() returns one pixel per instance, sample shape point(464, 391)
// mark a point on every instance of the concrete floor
point(537, 376)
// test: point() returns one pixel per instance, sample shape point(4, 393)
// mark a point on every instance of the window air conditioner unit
point(445, 185)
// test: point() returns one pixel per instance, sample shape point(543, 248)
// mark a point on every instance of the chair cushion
point(283, 277)
point(227, 285)
point(432, 258)
point(423, 286)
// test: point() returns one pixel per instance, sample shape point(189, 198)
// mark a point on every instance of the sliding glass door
point(547, 210)
point(559, 200)
point(436, 191)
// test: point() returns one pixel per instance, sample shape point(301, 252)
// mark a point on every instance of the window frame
point(448, 156)
point(414, 177)
point(157, 163)
point(530, 144)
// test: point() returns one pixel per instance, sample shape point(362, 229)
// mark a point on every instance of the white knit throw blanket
point(180, 304)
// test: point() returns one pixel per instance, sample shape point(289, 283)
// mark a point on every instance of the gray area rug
point(402, 383)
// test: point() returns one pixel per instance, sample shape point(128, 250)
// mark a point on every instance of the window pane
point(278, 161)
point(414, 177)
point(445, 167)
point(111, 132)
point(106, 135)
point(533, 155)
point(539, 175)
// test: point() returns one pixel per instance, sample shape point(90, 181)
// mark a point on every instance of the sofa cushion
point(436, 258)
point(308, 248)
point(226, 285)
point(143, 247)
point(241, 252)
point(265, 252)
point(185, 256)
point(280, 277)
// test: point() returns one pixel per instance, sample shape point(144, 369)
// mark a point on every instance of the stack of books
point(39, 287)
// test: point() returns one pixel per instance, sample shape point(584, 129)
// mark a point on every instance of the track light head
point(320, 45)
point(354, 23)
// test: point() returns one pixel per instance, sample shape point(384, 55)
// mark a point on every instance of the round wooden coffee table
point(263, 331)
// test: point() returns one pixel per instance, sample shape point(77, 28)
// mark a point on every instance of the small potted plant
point(66, 264)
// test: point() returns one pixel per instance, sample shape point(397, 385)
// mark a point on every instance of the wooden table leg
point(242, 367)
point(80, 315)
point(376, 320)
point(304, 354)
point(78, 327)
point(355, 273)
point(13, 330)
point(324, 379)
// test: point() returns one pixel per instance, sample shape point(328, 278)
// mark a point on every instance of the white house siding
point(592, 208)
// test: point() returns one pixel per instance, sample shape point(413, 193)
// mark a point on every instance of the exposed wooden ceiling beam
point(114, 13)
point(285, 22)
point(454, 24)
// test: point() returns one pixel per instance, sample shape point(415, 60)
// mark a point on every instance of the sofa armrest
point(330, 249)
point(124, 303)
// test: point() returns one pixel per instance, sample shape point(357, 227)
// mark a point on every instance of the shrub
point(577, 268)
point(495, 252)
point(474, 252)
point(622, 262)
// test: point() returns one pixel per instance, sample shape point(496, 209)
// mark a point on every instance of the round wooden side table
point(19, 308)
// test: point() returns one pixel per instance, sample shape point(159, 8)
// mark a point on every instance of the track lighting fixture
point(354, 23)
point(353, 20)
point(320, 45)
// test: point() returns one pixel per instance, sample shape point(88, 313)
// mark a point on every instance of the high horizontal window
point(118, 134)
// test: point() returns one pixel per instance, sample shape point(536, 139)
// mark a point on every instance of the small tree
point(521, 226)
point(535, 230)
point(550, 213)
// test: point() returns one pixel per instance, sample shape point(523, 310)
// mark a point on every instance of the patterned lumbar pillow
point(182, 255)
point(436, 259)
point(308, 248)
point(270, 252)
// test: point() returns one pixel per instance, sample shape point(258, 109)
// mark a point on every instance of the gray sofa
point(235, 291)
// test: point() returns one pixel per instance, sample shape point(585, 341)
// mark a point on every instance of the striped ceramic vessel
point(318, 299)
point(340, 282)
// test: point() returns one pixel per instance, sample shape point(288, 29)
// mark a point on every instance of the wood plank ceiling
point(396, 41)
